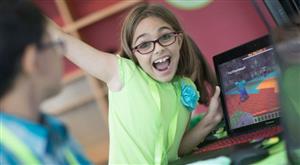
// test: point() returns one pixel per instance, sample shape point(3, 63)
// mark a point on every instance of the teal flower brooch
point(189, 96)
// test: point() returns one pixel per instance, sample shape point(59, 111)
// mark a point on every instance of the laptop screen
point(249, 86)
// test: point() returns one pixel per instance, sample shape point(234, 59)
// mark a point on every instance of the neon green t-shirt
point(146, 118)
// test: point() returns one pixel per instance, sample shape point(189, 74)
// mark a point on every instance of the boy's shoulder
point(47, 121)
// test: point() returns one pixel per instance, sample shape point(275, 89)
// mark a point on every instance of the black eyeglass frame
point(52, 44)
point(156, 41)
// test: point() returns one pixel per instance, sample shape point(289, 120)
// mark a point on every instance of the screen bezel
point(234, 53)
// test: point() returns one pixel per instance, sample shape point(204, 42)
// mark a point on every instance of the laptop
point(247, 76)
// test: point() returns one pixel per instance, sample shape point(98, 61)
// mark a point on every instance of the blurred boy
point(30, 72)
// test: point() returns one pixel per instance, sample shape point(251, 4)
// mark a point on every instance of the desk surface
point(277, 155)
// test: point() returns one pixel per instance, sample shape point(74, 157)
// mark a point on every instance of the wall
point(222, 24)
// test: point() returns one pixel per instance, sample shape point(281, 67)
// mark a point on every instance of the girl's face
point(156, 46)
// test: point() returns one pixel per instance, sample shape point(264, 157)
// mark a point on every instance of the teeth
point(162, 60)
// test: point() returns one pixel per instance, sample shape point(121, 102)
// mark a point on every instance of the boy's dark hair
point(21, 24)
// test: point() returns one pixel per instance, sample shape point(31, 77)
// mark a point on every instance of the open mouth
point(162, 64)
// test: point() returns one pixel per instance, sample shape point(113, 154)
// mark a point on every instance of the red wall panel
point(220, 26)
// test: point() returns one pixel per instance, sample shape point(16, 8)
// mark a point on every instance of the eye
point(166, 37)
point(144, 45)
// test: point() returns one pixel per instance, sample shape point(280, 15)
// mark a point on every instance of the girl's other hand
point(215, 113)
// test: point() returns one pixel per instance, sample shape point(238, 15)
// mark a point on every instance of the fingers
point(220, 110)
point(216, 94)
point(214, 101)
point(215, 110)
point(52, 24)
point(54, 29)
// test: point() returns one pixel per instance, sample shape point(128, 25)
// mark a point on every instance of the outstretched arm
point(196, 135)
point(99, 64)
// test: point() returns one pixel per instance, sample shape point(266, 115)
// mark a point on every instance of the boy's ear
point(29, 59)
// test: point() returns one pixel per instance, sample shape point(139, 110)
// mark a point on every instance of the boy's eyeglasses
point(164, 40)
point(59, 46)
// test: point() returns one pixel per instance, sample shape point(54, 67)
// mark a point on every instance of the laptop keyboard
point(227, 142)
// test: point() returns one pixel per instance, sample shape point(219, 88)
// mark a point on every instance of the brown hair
point(191, 63)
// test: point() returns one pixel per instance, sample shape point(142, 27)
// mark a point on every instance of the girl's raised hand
point(99, 64)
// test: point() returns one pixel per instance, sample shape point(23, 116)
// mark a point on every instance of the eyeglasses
point(164, 40)
point(59, 46)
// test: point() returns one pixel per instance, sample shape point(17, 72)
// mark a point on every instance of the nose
point(158, 48)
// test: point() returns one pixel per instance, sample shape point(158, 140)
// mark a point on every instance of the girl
point(151, 89)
